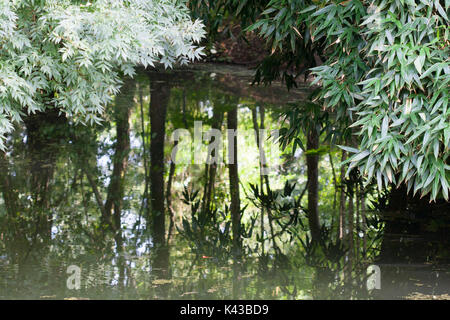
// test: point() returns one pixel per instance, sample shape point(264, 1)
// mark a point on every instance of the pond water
point(122, 210)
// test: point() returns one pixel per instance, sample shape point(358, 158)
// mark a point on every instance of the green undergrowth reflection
point(109, 200)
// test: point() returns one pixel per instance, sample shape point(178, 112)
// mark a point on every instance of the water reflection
point(109, 199)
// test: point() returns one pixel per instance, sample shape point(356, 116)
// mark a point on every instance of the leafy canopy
point(387, 73)
point(71, 55)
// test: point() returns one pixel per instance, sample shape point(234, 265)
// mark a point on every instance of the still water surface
point(74, 195)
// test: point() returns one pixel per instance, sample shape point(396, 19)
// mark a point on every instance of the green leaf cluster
point(71, 55)
point(389, 71)
point(386, 75)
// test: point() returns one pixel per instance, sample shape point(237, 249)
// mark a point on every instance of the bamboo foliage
point(388, 71)
point(70, 56)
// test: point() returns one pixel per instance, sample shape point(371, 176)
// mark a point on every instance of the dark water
point(107, 201)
